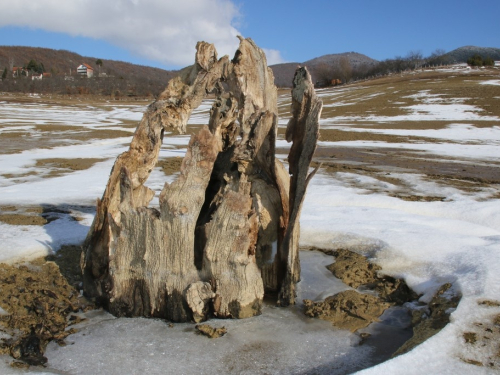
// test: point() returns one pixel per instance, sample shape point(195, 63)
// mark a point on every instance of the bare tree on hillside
point(414, 59)
point(437, 57)
point(345, 69)
point(323, 74)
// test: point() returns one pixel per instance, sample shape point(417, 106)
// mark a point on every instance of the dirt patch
point(8, 208)
point(353, 269)
point(418, 198)
point(335, 135)
point(194, 128)
point(77, 164)
point(60, 167)
point(470, 337)
point(347, 310)
point(55, 167)
point(420, 125)
point(21, 175)
point(429, 320)
point(354, 310)
point(496, 320)
point(210, 332)
point(50, 136)
point(33, 215)
point(25, 209)
point(67, 259)
point(384, 164)
point(169, 166)
point(35, 209)
point(434, 166)
point(20, 219)
point(84, 133)
point(356, 271)
point(481, 342)
point(38, 306)
point(388, 96)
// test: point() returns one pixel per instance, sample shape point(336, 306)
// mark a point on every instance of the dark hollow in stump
point(227, 230)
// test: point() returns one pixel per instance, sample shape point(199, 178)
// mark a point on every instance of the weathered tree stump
point(227, 229)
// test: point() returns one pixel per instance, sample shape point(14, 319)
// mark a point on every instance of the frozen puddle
point(280, 341)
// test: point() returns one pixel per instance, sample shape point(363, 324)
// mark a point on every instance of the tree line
point(478, 60)
point(343, 71)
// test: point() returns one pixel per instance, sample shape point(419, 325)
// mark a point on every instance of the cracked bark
point(226, 231)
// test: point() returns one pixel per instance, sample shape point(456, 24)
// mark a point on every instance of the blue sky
point(163, 33)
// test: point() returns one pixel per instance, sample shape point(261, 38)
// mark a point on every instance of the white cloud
point(160, 30)
point(273, 56)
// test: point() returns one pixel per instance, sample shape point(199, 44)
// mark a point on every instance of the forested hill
point(463, 53)
point(349, 66)
point(117, 77)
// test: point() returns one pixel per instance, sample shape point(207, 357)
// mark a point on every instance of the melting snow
point(427, 243)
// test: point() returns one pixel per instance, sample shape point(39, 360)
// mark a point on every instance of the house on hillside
point(18, 71)
point(85, 70)
point(37, 77)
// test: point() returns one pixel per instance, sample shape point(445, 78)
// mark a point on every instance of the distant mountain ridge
point(283, 73)
point(461, 54)
point(355, 59)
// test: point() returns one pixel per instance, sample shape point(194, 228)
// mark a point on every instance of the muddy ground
point(372, 292)
point(38, 305)
point(386, 164)
point(375, 292)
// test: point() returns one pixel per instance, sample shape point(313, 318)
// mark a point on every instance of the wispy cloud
point(160, 30)
point(273, 56)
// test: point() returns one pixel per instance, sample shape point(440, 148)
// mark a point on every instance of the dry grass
point(388, 97)
point(55, 167)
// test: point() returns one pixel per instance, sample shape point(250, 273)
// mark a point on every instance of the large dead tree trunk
point(227, 229)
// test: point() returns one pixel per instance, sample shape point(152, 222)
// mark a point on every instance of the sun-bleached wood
point(226, 231)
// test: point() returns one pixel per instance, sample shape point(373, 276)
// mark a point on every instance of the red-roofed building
point(19, 71)
point(85, 70)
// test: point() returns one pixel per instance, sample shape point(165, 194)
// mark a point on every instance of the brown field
point(388, 97)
